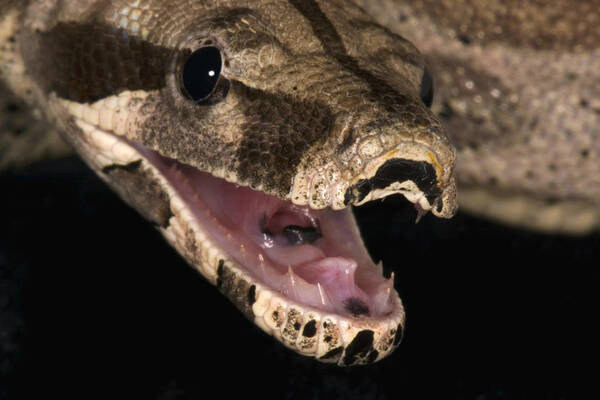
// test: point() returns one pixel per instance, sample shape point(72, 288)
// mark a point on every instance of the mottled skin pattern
point(316, 104)
point(518, 89)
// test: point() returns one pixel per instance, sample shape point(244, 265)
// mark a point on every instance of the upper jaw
point(419, 171)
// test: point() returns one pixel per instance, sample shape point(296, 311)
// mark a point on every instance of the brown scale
point(102, 61)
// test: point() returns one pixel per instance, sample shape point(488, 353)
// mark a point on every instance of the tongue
point(327, 283)
point(329, 271)
point(336, 275)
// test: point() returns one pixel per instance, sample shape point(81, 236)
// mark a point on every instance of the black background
point(95, 304)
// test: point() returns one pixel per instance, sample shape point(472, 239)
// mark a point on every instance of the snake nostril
point(421, 173)
point(398, 170)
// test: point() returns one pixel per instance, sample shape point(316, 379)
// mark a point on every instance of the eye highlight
point(427, 88)
point(201, 73)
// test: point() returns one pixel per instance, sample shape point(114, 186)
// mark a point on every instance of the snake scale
point(244, 130)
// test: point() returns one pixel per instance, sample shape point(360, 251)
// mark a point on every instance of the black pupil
point(427, 88)
point(201, 72)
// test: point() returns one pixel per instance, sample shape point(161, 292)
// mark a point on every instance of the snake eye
point(427, 88)
point(201, 73)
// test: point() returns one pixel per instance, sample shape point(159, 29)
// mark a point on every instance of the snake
point(244, 131)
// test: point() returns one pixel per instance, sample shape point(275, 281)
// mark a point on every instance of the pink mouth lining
point(313, 257)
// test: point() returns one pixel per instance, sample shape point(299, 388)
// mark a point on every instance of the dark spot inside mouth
point(302, 232)
point(298, 235)
point(356, 307)
point(263, 226)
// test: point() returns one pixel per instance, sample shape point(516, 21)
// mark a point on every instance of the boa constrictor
point(243, 130)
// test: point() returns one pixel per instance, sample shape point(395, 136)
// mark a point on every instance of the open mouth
point(312, 257)
point(301, 274)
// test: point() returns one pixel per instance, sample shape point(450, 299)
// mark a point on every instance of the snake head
point(244, 133)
